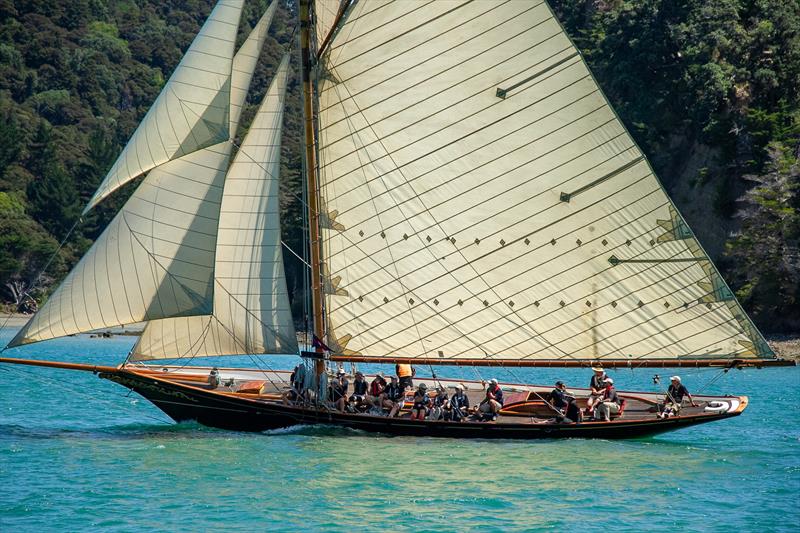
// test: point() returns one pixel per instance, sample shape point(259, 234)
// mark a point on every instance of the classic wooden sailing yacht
point(472, 200)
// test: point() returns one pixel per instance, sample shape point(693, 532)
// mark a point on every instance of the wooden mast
point(311, 177)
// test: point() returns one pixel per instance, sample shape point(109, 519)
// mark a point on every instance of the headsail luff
point(155, 259)
point(193, 109)
point(251, 304)
point(483, 201)
point(244, 65)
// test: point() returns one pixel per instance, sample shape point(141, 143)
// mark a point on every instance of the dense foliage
point(718, 80)
point(711, 91)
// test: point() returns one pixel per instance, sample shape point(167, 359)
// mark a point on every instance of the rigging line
point(519, 166)
point(74, 389)
point(580, 299)
point(27, 293)
point(410, 50)
point(389, 22)
point(402, 284)
point(556, 205)
point(539, 229)
point(538, 265)
point(427, 210)
point(459, 83)
point(462, 118)
point(278, 180)
point(397, 276)
point(519, 201)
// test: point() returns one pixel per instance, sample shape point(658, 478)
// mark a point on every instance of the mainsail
point(325, 12)
point(251, 304)
point(482, 201)
point(191, 112)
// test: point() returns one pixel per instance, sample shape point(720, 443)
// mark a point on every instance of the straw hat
point(597, 368)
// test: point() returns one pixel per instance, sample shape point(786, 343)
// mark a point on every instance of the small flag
point(319, 344)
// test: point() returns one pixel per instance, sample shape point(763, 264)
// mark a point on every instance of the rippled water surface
point(77, 452)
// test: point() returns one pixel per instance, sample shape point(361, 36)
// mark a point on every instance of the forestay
point(482, 200)
point(251, 304)
point(191, 112)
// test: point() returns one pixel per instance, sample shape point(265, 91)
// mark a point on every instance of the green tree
point(766, 252)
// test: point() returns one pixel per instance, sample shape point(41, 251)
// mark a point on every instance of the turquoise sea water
point(79, 453)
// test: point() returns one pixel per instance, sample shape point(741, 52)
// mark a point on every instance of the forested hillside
point(710, 90)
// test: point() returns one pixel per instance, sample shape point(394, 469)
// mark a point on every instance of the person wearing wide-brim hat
point(596, 388)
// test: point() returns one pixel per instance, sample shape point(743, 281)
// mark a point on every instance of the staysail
point(154, 260)
point(191, 112)
point(251, 304)
point(481, 200)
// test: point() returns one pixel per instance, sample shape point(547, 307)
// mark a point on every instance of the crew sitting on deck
point(459, 404)
point(674, 398)
point(422, 403)
point(376, 388)
point(440, 402)
point(338, 390)
point(393, 397)
point(213, 378)
point(609, 402)
point(493, 401)
point(596, 387)
point(405, 373)
point(359, 396)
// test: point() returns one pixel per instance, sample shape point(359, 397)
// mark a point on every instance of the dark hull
point(184, 403)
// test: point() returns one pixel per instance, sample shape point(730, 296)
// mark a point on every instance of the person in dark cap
point(560, 398)
point(422, 403)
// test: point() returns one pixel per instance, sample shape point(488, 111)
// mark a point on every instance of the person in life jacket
point(459, 404)
point(493, 401)
point(609, 403)
point(393, 397)
point(405, 373)
point(422, 403)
